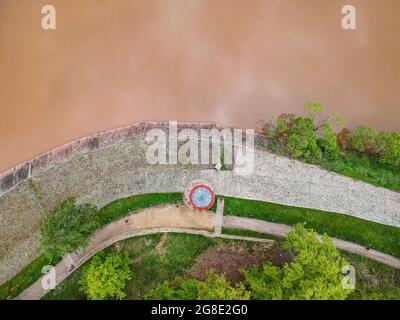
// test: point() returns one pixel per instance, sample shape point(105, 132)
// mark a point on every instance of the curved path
point(183, 220)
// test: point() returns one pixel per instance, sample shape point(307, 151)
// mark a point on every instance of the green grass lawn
point(25, 278)
point(252, 234)
point(367, 233)
point(150, 266)
point(365, 168)
point(120, 208)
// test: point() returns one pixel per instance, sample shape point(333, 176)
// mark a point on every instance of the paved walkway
point(219, 216)
point(177, 219)
point(281, 230)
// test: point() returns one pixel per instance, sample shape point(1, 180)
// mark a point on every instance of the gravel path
point(178, 219)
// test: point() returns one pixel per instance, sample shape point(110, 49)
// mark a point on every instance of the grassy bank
point(120, 208)
point(374, 235)
point(251, 234)
point(25, 278)
point(365, 168)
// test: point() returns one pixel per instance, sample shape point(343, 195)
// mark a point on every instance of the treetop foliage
point(214, 287)
point(314, 273)
point(67, 227)
point(106, 275)
point(313, 139)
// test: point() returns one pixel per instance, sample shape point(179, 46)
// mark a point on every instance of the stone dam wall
point(112, 165)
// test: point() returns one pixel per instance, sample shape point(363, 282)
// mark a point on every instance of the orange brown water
point(115, 62)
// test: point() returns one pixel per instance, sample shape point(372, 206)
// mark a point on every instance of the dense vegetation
point(153, 265)
point(364, 154)
point(314, 273)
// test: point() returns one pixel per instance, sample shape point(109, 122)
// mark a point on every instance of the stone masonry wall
point(112, 165)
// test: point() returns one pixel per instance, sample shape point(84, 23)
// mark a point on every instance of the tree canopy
point(214, 287)
point(67, 227)
point(314, 273)
point(106, 275)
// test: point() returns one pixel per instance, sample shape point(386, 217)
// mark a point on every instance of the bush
point(302, 140)
point(314, 273)
point(67, 227)
point(179, 289)
point(302, 137)
point(389, 148)
point(214, 287)
point(328, 142)
point(344, 140)
point(106, 275)
point(364, 139)
point(313, 109)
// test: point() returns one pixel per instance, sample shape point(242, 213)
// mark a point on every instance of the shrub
point(302, 137)
point(344, 140)
point(302, 140)
point(283, 125)
point(214, 287)
point(328, 142)
point(179, 289)
point(67, 227)
point(314, 273)
point(314, 109)
point(389, 148)
point(106, 275)
point(364, 139)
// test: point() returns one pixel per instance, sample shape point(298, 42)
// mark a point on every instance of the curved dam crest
point(112, 165)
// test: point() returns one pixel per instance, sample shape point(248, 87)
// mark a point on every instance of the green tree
point(67, 227)
point(364, 139)
point(389, 148)
point(106, 275)
point(314, 273)
point(214, 287)
point(303, 137)
point(302, 140)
